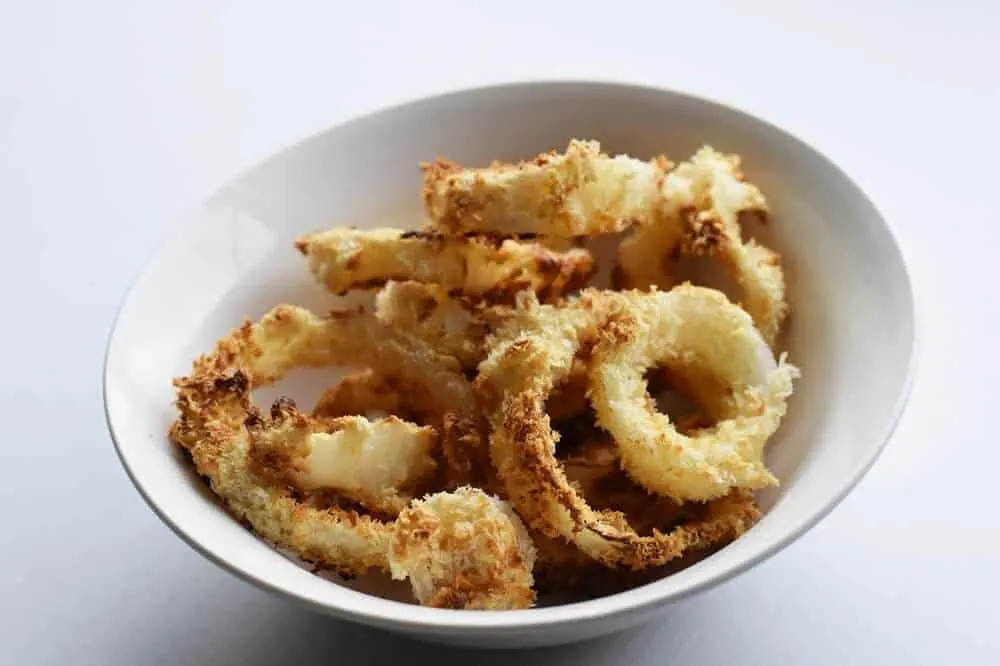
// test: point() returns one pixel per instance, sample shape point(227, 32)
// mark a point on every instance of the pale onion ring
point(697, 334)
point(702, 200)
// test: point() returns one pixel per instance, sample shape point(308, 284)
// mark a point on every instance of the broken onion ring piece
point(464, 549)
point(702, 201)
point(478, 267)
point(582, 192)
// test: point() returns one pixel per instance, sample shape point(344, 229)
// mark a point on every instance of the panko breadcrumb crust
point(464, 549)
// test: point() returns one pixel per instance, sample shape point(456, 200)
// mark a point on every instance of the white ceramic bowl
point(851, 329)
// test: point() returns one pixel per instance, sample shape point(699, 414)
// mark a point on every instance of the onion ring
point(582, 192)
point(688, 330)
point(477, 266)
point(464, 549)
point(218, 423)
point(702, 201)
point(514, 383)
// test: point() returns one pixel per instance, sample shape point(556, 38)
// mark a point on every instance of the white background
point(114, 118)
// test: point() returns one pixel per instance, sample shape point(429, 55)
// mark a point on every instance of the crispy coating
point(581, 192)
point(218, 424)
point(514, 384)
point(697, 334)
point(464, 549)
point(476, 266)
point(702, 201)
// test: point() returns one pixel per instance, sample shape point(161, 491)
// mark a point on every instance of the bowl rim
point(405, 616)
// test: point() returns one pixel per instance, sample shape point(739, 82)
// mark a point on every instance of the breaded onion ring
point(217, 420)
point(579, 193)
point(478, 267)
point(697, 334)
point(464, 549)
point(514, 384)
point(702, 201)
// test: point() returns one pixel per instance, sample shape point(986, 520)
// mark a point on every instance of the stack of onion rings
point(438, 462)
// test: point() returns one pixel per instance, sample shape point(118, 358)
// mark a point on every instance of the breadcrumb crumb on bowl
point(851, 330)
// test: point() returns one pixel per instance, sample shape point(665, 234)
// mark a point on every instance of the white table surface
point(114, 118)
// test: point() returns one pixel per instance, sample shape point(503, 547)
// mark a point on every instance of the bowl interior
point(851, 330)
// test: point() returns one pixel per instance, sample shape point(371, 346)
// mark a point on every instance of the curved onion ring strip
point(579, 193)
point(702, 201)
point(464, 549)
point(516, 380)
point(478, 267)
point(697, 333)
point(214, 403)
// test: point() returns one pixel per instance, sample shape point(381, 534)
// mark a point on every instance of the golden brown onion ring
point(514, 384)
point(464, 549)
point(582, 192)
point(697, 334)
point(701, 204)
point(478, 267)
point(216, 410)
